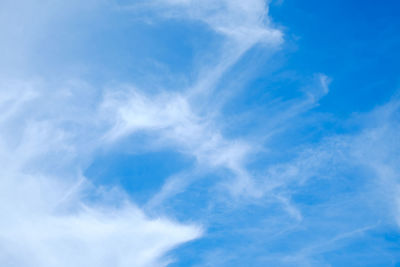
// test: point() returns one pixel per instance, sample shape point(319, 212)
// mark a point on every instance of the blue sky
point(199, 133)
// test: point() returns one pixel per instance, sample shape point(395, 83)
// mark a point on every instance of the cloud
point(188, 119)
point(170, 118)
point(53, 216)
point(374, 146)
point(234, 19)
point(337, 195)
point(52, 128)
point(351, 180)
point(241, 24)
point(122, 237)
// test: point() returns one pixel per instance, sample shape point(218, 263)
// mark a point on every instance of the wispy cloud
point(53, 127)
point(50, 215)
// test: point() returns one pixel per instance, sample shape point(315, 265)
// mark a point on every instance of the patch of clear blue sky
point(355, 43)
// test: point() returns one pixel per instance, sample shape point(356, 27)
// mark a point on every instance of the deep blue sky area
point(354, 42)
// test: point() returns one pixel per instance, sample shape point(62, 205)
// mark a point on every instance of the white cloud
point(374, 148)
point(49, 132)
point(92, 237)
point(170, 118)
point(188, 120)
point(243, 21)
point(49, 215)
point(242, 24)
